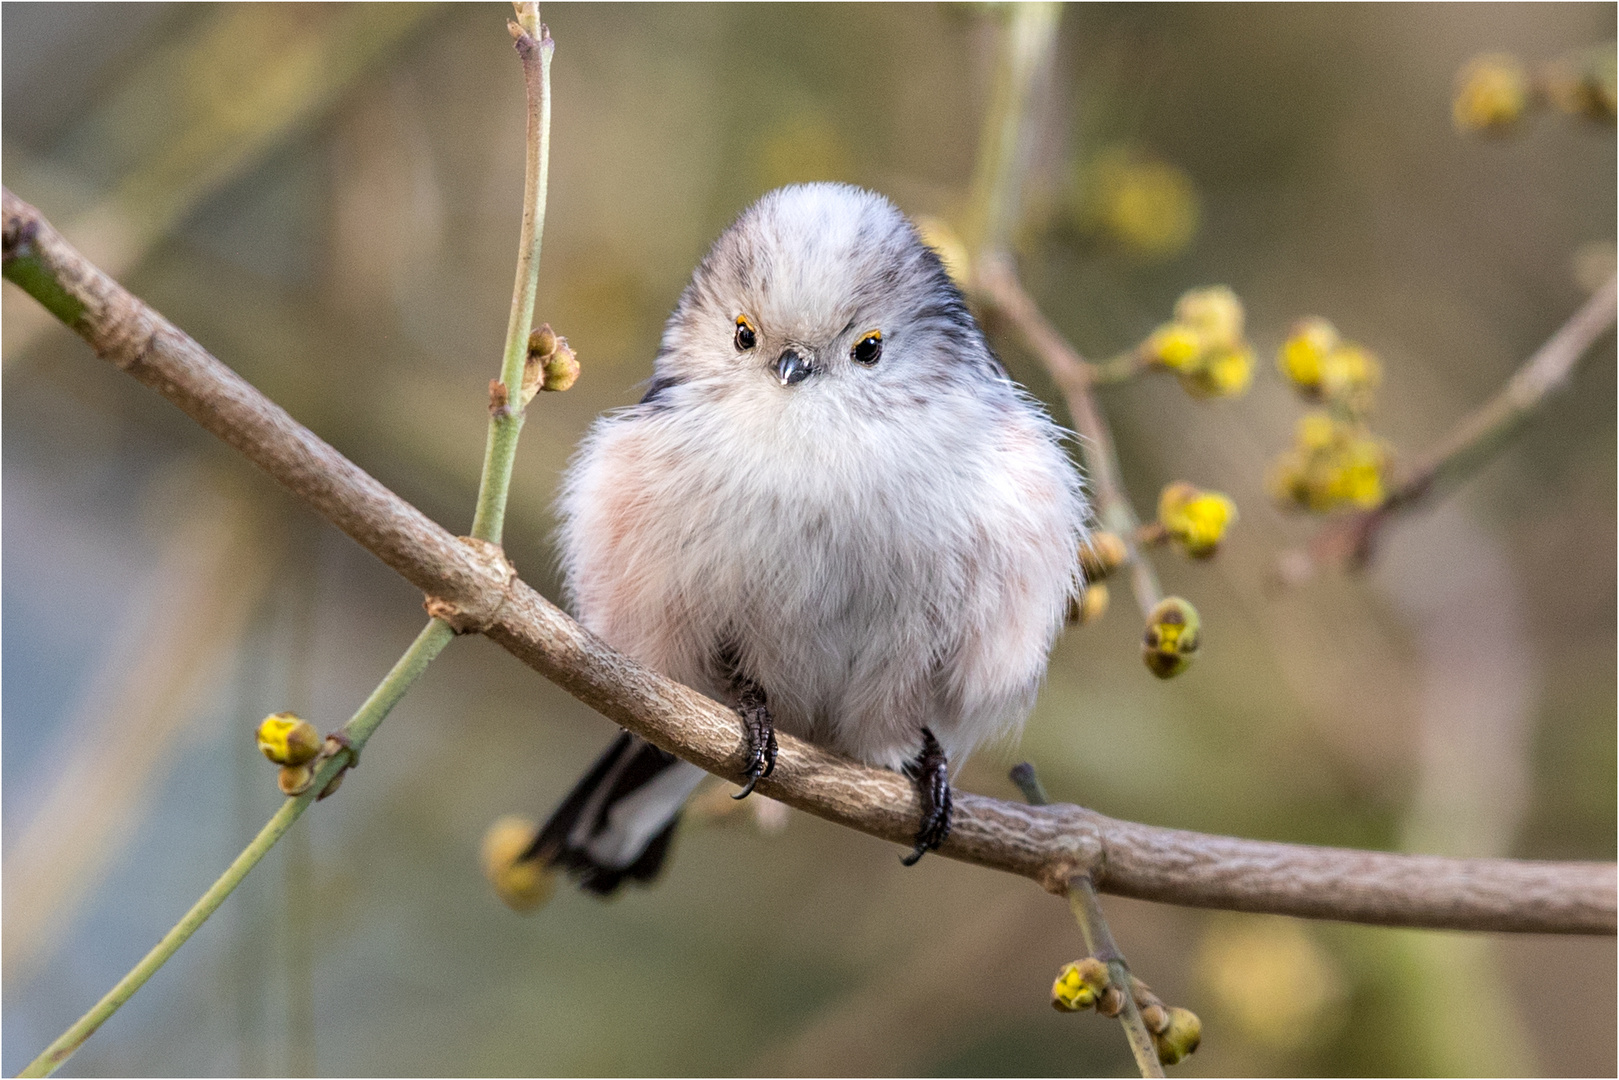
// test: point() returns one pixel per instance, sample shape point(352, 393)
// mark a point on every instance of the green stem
point(427, 645)
point(1099, 940)
point(534, 46)
point(506, 421)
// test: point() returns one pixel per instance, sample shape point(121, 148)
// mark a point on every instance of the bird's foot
point(760, 731)
point(931, 771)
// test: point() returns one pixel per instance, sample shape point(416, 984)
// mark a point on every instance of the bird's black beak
point(791, 368)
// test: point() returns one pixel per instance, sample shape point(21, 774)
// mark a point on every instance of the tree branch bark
point(1049, 843)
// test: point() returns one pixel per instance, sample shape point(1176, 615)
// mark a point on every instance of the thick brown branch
point(1049, 844)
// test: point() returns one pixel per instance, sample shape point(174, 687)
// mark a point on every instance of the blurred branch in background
point(199, 112)
point(1349, 541)
point(1048, 844)
point(996, 284)
point(129, 729)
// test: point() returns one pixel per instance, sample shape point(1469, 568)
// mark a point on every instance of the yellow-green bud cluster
point(1086, 984)
point(1334, 463)
point(521, 884)
point(1492, 93)
point(1196, 520)
point(1204, 344)
point(550, 364)
point(1079, 985)
point(1172, 637)
point(1323, 367)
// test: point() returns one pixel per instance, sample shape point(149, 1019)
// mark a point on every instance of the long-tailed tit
point(833, 510)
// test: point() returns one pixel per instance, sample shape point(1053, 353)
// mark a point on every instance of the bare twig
point(534, 46)
point(1099, 941)
point(1049, 844)
point(1348, 541)
point(358, 730)
point(996, 285)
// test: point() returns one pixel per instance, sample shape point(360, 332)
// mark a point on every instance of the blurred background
point(327, 197)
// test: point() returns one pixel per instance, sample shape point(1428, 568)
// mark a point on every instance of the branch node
point(473, 614)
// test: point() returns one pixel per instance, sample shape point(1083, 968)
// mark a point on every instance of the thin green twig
point(359, 728)
point(534, 46)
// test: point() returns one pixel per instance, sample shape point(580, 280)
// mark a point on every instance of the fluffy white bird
point(833, 510)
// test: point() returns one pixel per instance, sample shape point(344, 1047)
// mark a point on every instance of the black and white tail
point(618, 820)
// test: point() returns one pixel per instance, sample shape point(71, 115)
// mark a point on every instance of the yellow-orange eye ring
point(746, 336)
point(868, 349)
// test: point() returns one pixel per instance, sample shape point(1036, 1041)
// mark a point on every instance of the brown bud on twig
point(294, 779)
point(550, 364)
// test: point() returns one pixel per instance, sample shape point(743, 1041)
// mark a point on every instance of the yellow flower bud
point(1176, 347)
point(1091, 605)
point(1149, 207)
point(1492, 93)
point(1356, 477)
point(1101, 554)
point(1079, 984)
point(287, 740)
point(1172, 637)
point(938, 235)
point(1334, 463)
point(1307, 345)
point(1226, 372)
point(1214, 313)
point(1180, 1038)
point(1197, 520)
point(521, 885)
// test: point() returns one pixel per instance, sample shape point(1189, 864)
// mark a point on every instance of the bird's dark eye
point(868, 348)
point(746, 338)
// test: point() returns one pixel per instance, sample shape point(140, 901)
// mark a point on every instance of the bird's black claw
point(931, 771)
point(760, 731)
